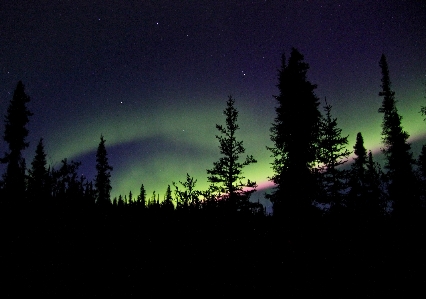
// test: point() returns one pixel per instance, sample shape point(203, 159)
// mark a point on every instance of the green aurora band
point(188, 143)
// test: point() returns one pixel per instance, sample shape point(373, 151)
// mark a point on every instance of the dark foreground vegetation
point(121, 251)
point(62, 235)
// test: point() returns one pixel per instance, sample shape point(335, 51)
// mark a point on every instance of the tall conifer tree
point(38, 174)
point(167, 203)
point(103, 177)
point(332, 153)
point(357, 175)
point(399, 159)
point(365, 193)
point(295, 135)
point(228, 170)
point(421, 162)
point(142, 197)
point(15, 134)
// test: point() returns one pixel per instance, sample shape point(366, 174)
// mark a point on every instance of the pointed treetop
point(103, 177)
point(16, 120)
point(359, 149)
point(228, 170)
point(388, 104)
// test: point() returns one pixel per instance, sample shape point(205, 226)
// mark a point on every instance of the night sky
point(153, 77)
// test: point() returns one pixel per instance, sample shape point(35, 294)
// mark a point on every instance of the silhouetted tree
point(15, 134)
point(421, 163)
point(120, 201)
point(142, 197)
point(375, 205)
point(167, 203)
point(399, 160)
point(189, 196)
point(332, 153)
point(154, 201)
point(168, 196)
point(357, 175)
point(228, 170)
point(211, 197)
point(365, 183)
point(130, 198)
point(103, 177)
point(295, 135)
point(66, 184)
point(38, 175)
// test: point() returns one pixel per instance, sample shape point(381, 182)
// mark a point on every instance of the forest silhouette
point(64, 234)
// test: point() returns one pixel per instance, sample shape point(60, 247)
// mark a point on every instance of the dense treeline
point(66, 230)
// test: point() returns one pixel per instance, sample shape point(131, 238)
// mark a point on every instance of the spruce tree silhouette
point(103, 177)
point(365, 183)
point(120, 201)
point(399, 159)
point(295, 134)
point(168, 196)
point(357, 176)
point(167, 203)
point(38, 176)
point(154, 202)
point(189, 196)
point(15, 134)
point(227, 172)
point(421, 163)
point(130, 198)
point(332, 153)
point(142, 197)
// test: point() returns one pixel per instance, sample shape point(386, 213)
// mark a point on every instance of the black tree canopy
point(15, 135)
point(228, 170)
point(295, 134)
point(399, 160)
point(103, 177)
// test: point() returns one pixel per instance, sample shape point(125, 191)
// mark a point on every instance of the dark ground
point(123, 252)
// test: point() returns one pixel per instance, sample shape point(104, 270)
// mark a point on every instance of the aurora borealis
point(153, 76)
